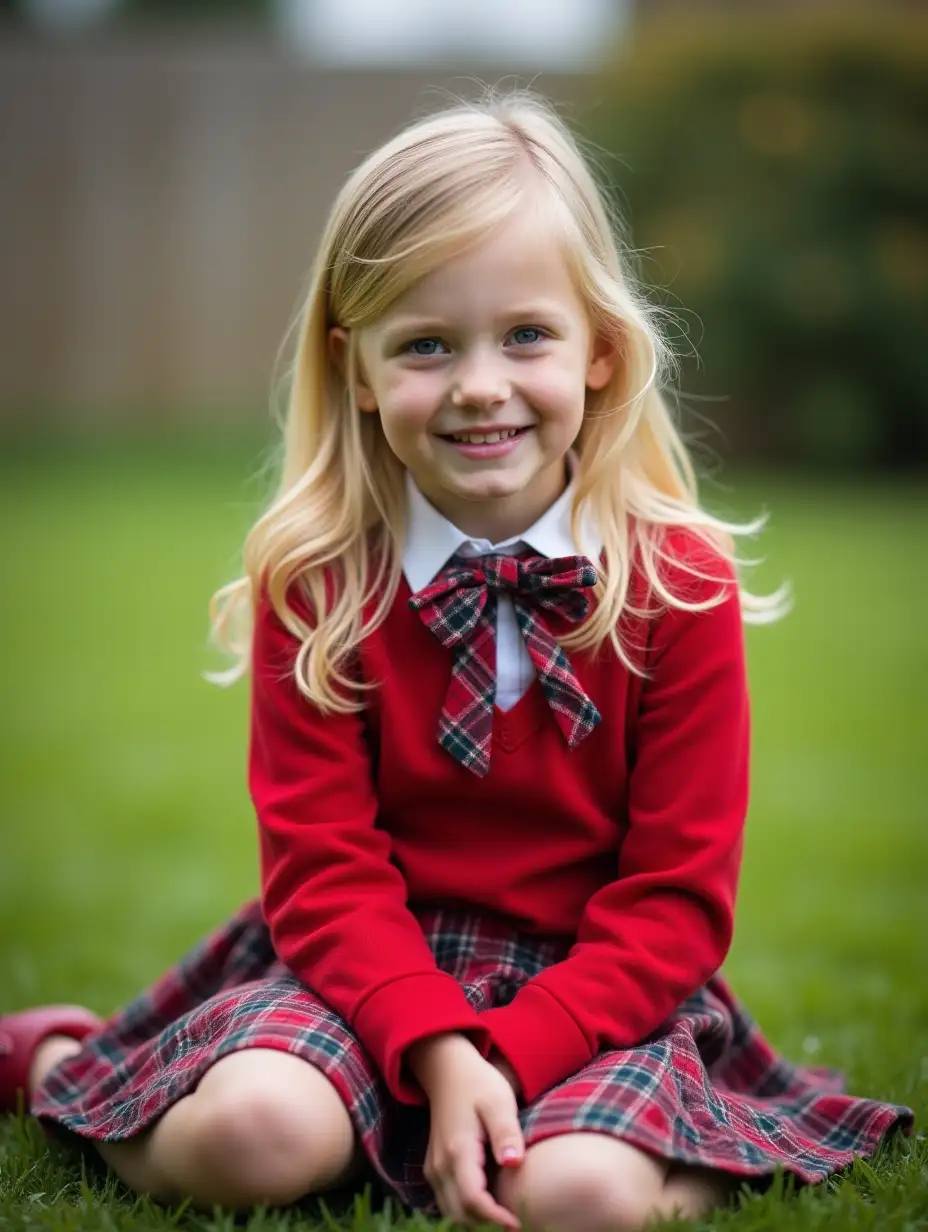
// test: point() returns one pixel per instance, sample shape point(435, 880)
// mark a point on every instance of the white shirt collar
point(431, 539)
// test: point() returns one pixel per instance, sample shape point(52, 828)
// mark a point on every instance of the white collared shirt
point(431, 539)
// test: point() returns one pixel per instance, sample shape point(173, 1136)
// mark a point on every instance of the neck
point(507, 517)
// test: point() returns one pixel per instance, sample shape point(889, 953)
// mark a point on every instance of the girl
point(498, 757)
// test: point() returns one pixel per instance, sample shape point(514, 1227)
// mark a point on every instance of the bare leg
point(48, 1054)
point(262, 1126)
point(692, 1192)
point(587, 1182)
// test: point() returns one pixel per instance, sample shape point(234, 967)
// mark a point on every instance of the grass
point(127, 830)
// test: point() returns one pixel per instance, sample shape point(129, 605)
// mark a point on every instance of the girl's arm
point(334, 903)
point(651, 938)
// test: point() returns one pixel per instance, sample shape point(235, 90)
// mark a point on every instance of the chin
point(491, 489)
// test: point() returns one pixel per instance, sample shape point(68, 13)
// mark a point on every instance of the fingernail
point(511, 1155)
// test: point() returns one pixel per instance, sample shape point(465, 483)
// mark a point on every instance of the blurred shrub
point(775, 174)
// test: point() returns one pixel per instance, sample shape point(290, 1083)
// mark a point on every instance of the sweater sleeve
point(649, 939)
point(334, 902)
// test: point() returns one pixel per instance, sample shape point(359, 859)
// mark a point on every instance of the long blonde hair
point(336, 524)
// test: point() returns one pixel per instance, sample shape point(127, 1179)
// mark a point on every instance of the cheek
point(559, 390)
point(408, 400)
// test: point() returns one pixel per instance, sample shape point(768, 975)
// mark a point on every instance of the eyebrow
point(403, 327)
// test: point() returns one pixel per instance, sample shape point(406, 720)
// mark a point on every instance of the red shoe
point(20, 1036)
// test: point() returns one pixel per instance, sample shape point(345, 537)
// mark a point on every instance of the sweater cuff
point(539, 1039)
point(409, 1009)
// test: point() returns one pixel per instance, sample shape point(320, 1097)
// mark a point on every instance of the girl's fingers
point(477, 1203)
point(505, 1134)
point(465, 1188)
point(481, 1108)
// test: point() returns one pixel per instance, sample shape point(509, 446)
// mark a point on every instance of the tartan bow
point(459, 608)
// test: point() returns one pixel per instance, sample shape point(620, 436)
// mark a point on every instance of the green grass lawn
point(127, 830)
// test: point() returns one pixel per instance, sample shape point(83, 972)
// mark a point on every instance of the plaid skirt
point(704, 1089)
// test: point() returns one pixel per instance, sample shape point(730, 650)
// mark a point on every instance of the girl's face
point(479, 374)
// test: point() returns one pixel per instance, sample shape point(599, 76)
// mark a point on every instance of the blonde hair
point(336, 525)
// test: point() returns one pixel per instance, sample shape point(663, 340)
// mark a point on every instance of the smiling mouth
point(483, 438)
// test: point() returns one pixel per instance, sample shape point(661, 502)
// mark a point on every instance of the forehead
point(522, 261)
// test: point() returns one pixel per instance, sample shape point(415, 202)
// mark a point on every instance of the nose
point(479, 382)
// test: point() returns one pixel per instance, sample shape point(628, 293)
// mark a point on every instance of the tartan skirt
point(705, 1089)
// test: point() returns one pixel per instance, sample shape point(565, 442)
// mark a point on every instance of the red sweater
point(629, 845)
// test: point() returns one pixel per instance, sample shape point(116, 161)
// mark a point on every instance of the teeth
point(488, 438)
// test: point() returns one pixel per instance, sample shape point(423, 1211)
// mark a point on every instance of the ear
point(604, 355)
point(339, 355)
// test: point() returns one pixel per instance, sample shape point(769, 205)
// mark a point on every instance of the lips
point(484, 436)
point(478, 446)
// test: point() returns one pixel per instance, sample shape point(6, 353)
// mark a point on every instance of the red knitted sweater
point(629, 845)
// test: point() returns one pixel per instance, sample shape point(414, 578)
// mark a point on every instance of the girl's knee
point(268, 1129)
point(584, 1183)
point(248, 1148)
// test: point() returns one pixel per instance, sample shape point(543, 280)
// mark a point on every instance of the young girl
point(498, 757)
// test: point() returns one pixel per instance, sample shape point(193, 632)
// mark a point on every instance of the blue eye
point(424, 346)
point(526, 335)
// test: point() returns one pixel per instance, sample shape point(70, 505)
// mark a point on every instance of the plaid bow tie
point(459, 607)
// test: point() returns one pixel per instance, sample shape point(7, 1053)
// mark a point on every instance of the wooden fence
point(159, 203)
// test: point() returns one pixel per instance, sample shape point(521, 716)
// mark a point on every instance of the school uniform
point(536, 848)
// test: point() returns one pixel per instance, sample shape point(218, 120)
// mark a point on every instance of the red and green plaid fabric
point(705, 1088)
point(459, 608)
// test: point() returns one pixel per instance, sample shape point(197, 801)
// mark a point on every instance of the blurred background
point(166, 167)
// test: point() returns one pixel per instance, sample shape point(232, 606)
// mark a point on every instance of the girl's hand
point(499, 1062)
point(470, 1102)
